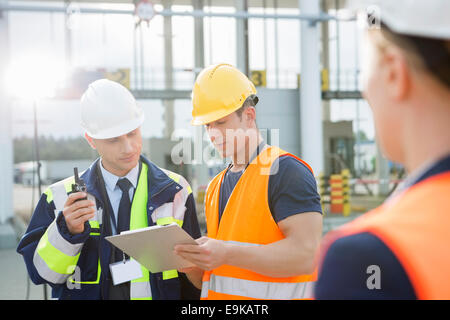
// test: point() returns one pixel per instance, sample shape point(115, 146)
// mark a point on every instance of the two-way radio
point(79, 185)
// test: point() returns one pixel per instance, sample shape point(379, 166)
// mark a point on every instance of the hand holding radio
point(77, 209)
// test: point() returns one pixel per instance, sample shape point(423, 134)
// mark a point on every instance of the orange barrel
point(346, 209)
point(337, 194)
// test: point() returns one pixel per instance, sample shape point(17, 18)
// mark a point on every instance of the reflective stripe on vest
point(247, 220)
point(55, 258)
point(173, 211)
point(140, 288)
point(415, 227)
point(58, 193)
point(223, 287)
point(96, 281)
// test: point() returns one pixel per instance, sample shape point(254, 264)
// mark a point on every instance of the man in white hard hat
point(64, 245)
point(400, 250)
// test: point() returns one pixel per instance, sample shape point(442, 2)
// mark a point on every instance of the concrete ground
point(359, 205)
point(15, 284)
point(14, 278)
point(23, 201)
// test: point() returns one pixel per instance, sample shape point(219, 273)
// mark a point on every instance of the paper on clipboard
point(153, 247)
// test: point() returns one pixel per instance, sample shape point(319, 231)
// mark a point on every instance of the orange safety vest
point(416, 227)
point(247, 221)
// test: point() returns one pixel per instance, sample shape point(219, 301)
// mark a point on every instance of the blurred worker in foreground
point(64, 244)
point(263, 211)
point(401, 249)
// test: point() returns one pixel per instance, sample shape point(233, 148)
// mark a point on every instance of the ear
point(250, 115)
point(396, 73)
point(90, 141)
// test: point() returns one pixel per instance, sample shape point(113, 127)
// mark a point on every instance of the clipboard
point(153, 247)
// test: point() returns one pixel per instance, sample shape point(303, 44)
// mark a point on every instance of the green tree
point(361, 136)
point(51, 148)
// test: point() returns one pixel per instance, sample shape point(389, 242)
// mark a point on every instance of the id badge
point(124, 271)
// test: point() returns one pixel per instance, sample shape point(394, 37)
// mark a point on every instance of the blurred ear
point(90, 141)
point(250, 115)
point(396, 73)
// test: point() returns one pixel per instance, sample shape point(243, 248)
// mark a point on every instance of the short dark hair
point(433, 53)
point(251, 101)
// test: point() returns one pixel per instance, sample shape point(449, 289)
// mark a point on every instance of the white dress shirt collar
point(111, 179)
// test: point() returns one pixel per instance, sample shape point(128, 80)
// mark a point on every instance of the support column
point(6, 160)
point(169, 115)
point(325, 59)
point(382, 173)
point(311, 125)
point(275, 40)
point(242, 39)
point(199, 42)
point(68, 33)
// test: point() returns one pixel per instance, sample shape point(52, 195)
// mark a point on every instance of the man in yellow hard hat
point(263, 211)
point(401, 249)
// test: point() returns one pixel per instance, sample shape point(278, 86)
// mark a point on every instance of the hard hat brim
point(212, 116)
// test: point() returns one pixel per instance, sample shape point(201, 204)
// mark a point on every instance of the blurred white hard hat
point(423, 18)
point(109, 110)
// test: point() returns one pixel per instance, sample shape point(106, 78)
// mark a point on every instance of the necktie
point(123, 216)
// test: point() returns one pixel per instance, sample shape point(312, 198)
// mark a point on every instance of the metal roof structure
point(287, 4)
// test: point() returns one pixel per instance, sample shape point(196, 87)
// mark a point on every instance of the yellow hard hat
point(219, 90)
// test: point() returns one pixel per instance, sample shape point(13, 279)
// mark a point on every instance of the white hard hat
point(423, 18)
point(109, 110)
